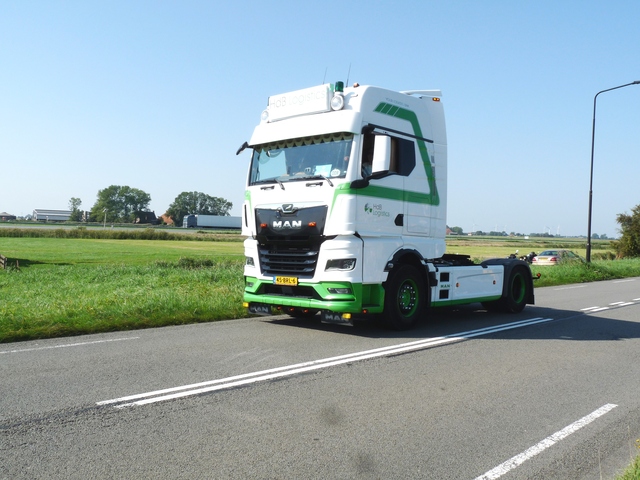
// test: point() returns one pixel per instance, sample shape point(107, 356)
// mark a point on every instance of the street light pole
point(593, 138)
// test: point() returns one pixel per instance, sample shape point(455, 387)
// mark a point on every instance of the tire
point(405, 297)
point(517, 291)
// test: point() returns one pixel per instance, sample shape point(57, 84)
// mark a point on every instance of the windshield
point(324, 156)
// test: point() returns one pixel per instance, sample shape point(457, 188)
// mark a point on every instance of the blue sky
point(158, 95)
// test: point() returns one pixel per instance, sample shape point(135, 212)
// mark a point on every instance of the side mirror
point(381, 153)
point(242, 147)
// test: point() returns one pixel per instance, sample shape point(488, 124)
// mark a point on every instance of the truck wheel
point(517, 291)
point(404, 298)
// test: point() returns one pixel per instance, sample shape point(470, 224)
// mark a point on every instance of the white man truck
point(345, 212)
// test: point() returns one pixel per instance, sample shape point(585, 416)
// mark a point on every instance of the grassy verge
point(75, 299)
point(47, 253)
point(61, 286)
point(632, 472)
point(586, 272)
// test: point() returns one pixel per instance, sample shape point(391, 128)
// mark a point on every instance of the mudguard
point(509, 264)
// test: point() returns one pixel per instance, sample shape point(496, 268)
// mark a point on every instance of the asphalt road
point(551, 393)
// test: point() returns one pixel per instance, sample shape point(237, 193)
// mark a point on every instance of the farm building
point(43, 215)
point(4, 216)
point(146, 217)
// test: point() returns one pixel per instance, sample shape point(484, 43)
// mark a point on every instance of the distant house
point(166, 219)
point(4, 216)
point(146, 217)
point(43, 215)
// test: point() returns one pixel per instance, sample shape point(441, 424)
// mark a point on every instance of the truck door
point(380, 205)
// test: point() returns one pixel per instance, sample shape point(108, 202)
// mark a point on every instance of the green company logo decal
point(431, 198)
point(375, 209)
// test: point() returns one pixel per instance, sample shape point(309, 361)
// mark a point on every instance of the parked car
point(554, 257)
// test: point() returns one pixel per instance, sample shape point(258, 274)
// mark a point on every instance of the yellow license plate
point(286, 281)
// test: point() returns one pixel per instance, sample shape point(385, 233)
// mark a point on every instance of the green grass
point(46, 252)
point(74, 299)
point(61, 286)
point(632, 472)
point(595, 271)
point(481, 248)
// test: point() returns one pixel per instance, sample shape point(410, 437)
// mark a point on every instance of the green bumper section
point(317, 296)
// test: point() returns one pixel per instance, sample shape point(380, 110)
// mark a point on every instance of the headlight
point(343, 264)
point(249, 261)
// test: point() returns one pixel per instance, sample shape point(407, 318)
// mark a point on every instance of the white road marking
point(248, 378)
point(625, 281)
point(614, 304)
point(570, 288)
point(516, 461)
point(79, 344)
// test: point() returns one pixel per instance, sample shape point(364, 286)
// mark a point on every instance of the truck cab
point(346, 188)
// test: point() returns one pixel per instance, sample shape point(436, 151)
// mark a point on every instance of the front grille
point(283, 291)
point(298, 261)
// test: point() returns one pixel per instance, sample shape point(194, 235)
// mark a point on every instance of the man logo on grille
point(286, 224)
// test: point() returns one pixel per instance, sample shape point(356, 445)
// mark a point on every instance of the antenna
point(348, 74)
point(325, 75)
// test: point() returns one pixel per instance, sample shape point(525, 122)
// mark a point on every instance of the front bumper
point(310, 296)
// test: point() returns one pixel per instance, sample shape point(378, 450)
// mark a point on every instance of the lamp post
point(593, 137)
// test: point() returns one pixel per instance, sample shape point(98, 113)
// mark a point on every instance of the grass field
point(632, 472)
point(68, 286)
point(46, 252)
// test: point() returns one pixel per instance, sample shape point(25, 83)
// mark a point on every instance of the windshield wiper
point(269, 180)
point(316, 177)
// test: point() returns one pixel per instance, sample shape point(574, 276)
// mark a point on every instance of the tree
point(629, 243)
point(197, 203)
point(119, 203)
point(74, 206)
